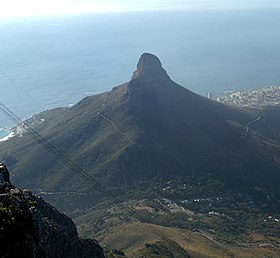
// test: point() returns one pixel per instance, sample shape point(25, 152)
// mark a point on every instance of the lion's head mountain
point(149, 127)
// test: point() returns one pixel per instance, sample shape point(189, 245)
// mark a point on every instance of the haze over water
point(56, 61)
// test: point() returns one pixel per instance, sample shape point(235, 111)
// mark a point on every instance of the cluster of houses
point(263, 97)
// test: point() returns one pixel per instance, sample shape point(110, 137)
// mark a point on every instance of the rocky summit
point(149, 68)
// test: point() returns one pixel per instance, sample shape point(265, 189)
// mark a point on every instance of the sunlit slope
point(131, 238)
point(147, 127)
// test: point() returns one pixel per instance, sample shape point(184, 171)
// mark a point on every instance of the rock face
point(149, 68)
point(58, 234)
point(5, 183)
point(32, 228)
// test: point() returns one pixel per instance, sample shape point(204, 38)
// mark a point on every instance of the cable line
point(84, 175)
point(20, 88)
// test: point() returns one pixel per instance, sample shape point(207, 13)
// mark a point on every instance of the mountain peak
point(148, 61)
point(149, 67)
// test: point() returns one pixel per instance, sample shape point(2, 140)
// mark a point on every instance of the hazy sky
point(15, 8)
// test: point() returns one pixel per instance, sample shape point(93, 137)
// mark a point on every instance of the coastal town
point(262, 97)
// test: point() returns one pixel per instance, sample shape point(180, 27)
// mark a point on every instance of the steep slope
point(147, 127)
point(32, 228)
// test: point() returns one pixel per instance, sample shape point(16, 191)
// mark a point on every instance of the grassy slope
point(130, 237)
point(201, 234)
point(174, 130)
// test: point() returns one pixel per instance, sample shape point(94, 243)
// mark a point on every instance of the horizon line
point(128, 10)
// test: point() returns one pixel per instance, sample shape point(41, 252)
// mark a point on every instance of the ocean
point(49, 62)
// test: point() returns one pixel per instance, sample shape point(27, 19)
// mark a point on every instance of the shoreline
point(6, 136)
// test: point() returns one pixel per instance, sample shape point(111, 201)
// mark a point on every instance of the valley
point(201, 234)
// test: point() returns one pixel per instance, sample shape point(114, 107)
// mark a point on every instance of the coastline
point(5, 134)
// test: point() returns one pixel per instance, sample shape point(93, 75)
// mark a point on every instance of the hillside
point(192, 164)
point(147, 127)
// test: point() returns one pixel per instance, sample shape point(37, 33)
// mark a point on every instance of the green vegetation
point(162, 250)
point(120, 142)
point(178, 159)
point(232, 216)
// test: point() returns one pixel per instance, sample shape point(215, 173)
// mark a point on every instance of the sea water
point(56, 61)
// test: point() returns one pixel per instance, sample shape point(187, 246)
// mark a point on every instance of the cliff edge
point(30, 227)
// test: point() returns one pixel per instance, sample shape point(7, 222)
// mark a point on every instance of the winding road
point(256, 120)
point(116, 128)
point(250, 123)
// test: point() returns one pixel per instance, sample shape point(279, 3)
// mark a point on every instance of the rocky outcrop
point(5, 183)
point(149, 68)
point(32, 228)
point(57, 233)
point(161, 249)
